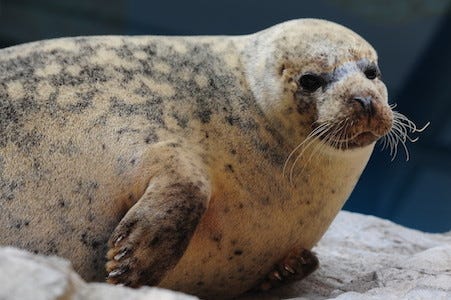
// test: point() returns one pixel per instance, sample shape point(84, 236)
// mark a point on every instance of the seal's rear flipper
point(296, 266)
point(154, 233)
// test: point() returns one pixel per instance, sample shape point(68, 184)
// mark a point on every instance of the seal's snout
point(366, 104)
point(373, 119)
point(362, 117)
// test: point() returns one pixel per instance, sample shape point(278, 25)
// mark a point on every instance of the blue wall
point(413, 39)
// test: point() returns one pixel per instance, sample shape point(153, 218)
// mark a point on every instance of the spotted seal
point(209, 165)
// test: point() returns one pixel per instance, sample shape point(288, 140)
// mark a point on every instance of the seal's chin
point(361, 140)
point(358, 140)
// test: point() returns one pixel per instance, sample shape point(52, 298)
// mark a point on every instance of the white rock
point(362, 257)
point(26, 276)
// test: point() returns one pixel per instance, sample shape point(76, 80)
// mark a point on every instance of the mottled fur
point(170, 151)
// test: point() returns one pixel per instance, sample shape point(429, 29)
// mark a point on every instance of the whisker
point(320, 146)
point(318, 136)
point(325, 132)
point(391, 143)
point(346, 134)
point(383, 141)
point(311, 136)
point(400, 133)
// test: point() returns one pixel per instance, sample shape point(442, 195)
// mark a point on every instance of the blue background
point(413, 39)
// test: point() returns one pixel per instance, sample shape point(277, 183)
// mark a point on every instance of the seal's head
point(315, 76)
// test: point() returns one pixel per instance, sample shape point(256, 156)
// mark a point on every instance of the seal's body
point(174, 152)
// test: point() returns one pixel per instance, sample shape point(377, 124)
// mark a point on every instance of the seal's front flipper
point(153, 235)
point(296, 266)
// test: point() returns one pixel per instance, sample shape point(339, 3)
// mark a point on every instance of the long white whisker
point(313, 138)
point(328, 128)
point(319, 147)
point(401, 131)
point(309, 137)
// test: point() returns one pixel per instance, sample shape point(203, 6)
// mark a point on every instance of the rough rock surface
point(26, 276)
point(362, 257)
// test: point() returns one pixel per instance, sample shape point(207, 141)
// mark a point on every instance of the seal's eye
point(371, 72)
point(311, 82)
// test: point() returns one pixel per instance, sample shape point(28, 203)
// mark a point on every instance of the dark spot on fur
point(83, 238)
point(151, 137)
point(61, 203)
point(232, 119)
point(85, 101)
point(52, 248)
point(238, 252)
point(174, 145)
point(87, 189)
point(152, 109)
point(127, 74)
point(8, 118)
point(95, 244)
point(65, 79)
point(204, 115)
point(27, 141)
point(8, 188)
point(200, 283)
point(229, 168)
point(217, 237)
point(155, 241)
point(182, 120)
point(124, 52)
point(93, 74)
point(265, 200)
point(121, 131)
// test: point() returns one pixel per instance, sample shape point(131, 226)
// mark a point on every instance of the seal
point(209, 165)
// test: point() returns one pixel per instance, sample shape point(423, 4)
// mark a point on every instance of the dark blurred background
point(413, 39)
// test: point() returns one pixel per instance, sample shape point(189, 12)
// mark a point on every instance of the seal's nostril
point(366, 103)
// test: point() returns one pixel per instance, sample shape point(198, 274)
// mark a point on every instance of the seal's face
point(349, 103)
point(324, 82)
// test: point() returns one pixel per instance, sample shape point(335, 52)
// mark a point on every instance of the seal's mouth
point(358, 129)
point(394, 130)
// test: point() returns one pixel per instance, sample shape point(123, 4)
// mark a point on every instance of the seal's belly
point(243, 235)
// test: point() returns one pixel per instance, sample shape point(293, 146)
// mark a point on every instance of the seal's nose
point(366, 103)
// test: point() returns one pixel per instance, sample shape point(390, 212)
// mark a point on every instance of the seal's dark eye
point(311, 82)
point(371, 72)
